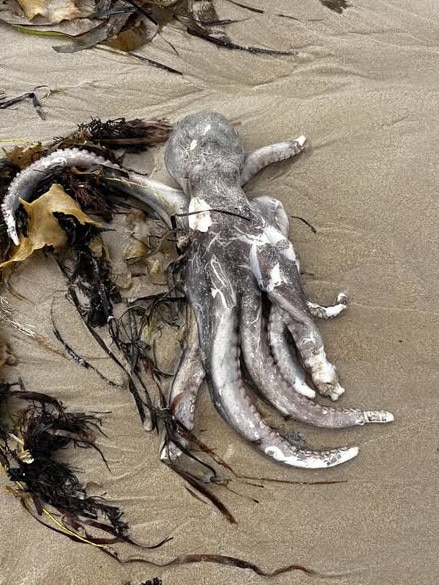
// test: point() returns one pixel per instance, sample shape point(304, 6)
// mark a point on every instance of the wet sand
point(364, 90)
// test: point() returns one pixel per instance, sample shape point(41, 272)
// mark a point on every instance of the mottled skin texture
point(247, 307)
point(239, 259)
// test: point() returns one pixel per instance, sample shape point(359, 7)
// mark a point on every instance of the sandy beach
point(364, 90)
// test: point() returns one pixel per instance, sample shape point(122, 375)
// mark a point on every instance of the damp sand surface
point(364, 90)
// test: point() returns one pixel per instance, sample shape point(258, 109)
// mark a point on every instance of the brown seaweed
point(29, 441)
point(124, 26)
point(7, 103)
point(336, 5)
point(122, 133)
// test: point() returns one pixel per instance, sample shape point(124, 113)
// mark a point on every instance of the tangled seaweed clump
point(30, 439)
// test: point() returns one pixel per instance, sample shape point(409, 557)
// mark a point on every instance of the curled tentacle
point(267, 155)
point(164, 200)
point(283, 352)
point(265, 375)
point(25, 183)
point(330, 311)
point(235, 405)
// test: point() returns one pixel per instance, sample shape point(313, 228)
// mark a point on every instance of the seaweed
point(136, 134)
point(336, 5)
point(7, 103)
point(29, 441)
point(124, 26)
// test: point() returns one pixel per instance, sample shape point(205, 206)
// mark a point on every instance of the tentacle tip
point(301, 141)
point(378, 416)
point(347, 455)
point(334, 457)
point(336, 393)
point(305, 459)
point(305, 390)
point(342, 299)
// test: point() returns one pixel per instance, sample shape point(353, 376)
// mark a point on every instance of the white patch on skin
point(274, 237)
point(10, 224)
point(303, 389)
point(324, 374)
point(254, 263)
point(201, 220)
point(328, 312)
point(193, 144)
point(312, 461)
point(216, 292)
point(301, 140)
point(275, 278)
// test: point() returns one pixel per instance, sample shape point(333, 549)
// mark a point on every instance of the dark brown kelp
point(120, 133)
point(30, 438)
point(336, 5)
point(8, 102)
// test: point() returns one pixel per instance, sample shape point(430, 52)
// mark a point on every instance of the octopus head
point(204, 141)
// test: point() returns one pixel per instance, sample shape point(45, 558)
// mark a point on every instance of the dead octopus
point(249, 309)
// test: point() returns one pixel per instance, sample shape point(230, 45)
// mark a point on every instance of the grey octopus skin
point(239, 257)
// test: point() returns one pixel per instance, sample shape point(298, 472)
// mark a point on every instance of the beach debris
point(8, 102)
point(98, 136)
point(54, 10)
point(123, 25)
point(336, 5)
point(30, 438)
point(134, 134)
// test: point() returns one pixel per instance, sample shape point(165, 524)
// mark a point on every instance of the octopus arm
point(267, 155)
point(185, 386)
point(266, 376)
point(25, 183)
point(163, 200)
point(284, 355)
point(233, 402)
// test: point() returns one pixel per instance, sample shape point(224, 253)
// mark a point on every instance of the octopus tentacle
point(234, 404)
point(262, 370)
point(164, 200)
point(280, 279)
point(329, 311)
point(308, 341)
point(284, 355)
point(26, 182)
point(274, 213)
point(185, 386)
point(262, 157)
